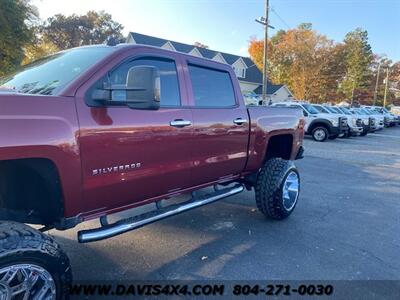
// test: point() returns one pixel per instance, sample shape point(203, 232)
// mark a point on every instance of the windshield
point(379, 110)
point(49, 75)
point(321, 109)
point(337, 110)
point(366, 111)
point(346, 111)
point(310, 109)
point(330, 109)
point(343, 111)
point(360, 111)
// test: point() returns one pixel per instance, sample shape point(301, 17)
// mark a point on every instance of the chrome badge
point(116, 169)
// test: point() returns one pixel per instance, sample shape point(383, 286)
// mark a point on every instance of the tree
point(358, 60)
point(41, 48)
point(72, 31)
point(16, 20)
point(299, 58)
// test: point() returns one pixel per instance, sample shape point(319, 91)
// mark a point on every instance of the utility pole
point(352, 94)
point(265, 75)
point(386, 86)
point(265, 21)
point(376, 84)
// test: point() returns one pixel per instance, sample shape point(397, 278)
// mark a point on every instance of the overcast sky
point(227, 25)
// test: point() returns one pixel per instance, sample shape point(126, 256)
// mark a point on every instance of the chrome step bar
point(125, 225)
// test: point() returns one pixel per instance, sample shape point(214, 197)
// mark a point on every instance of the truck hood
point(7, 91)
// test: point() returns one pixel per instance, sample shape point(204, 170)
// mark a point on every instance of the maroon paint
point(79, 139)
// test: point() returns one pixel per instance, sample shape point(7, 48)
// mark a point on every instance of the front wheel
point(320, 134)
point(277, 188)
point(32, 264)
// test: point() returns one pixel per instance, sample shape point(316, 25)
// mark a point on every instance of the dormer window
point(240, 72)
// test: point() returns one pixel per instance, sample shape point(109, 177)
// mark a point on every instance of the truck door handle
point(180, 123)
point(239, 121)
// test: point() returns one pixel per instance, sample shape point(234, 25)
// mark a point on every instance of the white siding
point(195, 52)
point(280, 95)
point(240, 68)
point(168, 46)
point(219, 58)
point(248, 86)
point(130, 39)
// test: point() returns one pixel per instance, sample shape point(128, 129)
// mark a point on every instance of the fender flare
point(325, 122)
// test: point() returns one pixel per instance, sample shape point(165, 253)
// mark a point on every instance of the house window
point(240, 72)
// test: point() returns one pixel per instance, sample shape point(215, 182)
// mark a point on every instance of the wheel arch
point(320, 122)
point(30, 191)
point(279, 146)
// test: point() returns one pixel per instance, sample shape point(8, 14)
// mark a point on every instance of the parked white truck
point(354, 124)
point(320, 126)
point(389, 118)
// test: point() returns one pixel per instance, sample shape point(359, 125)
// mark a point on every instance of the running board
point(125, 225)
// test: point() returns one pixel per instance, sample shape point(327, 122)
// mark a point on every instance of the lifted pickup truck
point(92, 131)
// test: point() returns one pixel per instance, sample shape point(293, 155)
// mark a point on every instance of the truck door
point(220, 123)
point(130, 155)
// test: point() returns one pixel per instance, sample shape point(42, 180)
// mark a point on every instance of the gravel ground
point(346, 226)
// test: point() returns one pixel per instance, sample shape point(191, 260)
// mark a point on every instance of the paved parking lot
point(346, 226)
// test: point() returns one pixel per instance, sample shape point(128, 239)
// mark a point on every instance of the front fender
point(44, 127)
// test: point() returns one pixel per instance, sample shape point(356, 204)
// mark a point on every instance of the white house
point(249, 76)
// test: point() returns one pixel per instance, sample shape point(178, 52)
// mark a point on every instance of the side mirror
point(143, 88)
point(305, 113)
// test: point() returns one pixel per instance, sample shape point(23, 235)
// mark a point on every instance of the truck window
point(211, 88)
point(170, 95)
point(310, 109)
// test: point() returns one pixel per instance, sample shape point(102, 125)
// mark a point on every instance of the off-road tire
point(21, 244)
point(316, 130)
point(269, 185)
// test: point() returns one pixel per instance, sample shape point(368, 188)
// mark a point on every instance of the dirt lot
point(346, 226)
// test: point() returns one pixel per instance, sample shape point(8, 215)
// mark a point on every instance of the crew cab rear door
point(220, 122)
point(132, 155)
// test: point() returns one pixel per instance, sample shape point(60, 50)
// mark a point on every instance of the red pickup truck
point(95, 130)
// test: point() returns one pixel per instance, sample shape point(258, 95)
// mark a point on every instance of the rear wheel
point(277, 188)
point(320, 134)
point(32, 264)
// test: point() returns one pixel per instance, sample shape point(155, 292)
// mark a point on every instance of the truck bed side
point(280, 124)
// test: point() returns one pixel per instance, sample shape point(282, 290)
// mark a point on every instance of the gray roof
point(271, 88)
point(253, 74)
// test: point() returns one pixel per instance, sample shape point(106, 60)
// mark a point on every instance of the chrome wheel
point(26, 281)
point(290, 190)
point(319, 135)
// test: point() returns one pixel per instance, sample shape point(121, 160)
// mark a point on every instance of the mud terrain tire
point(275, 178)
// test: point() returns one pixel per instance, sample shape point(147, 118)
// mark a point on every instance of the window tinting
point(168, 78)
point(211, 88)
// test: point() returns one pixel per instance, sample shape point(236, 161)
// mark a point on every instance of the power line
point(280, 18)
